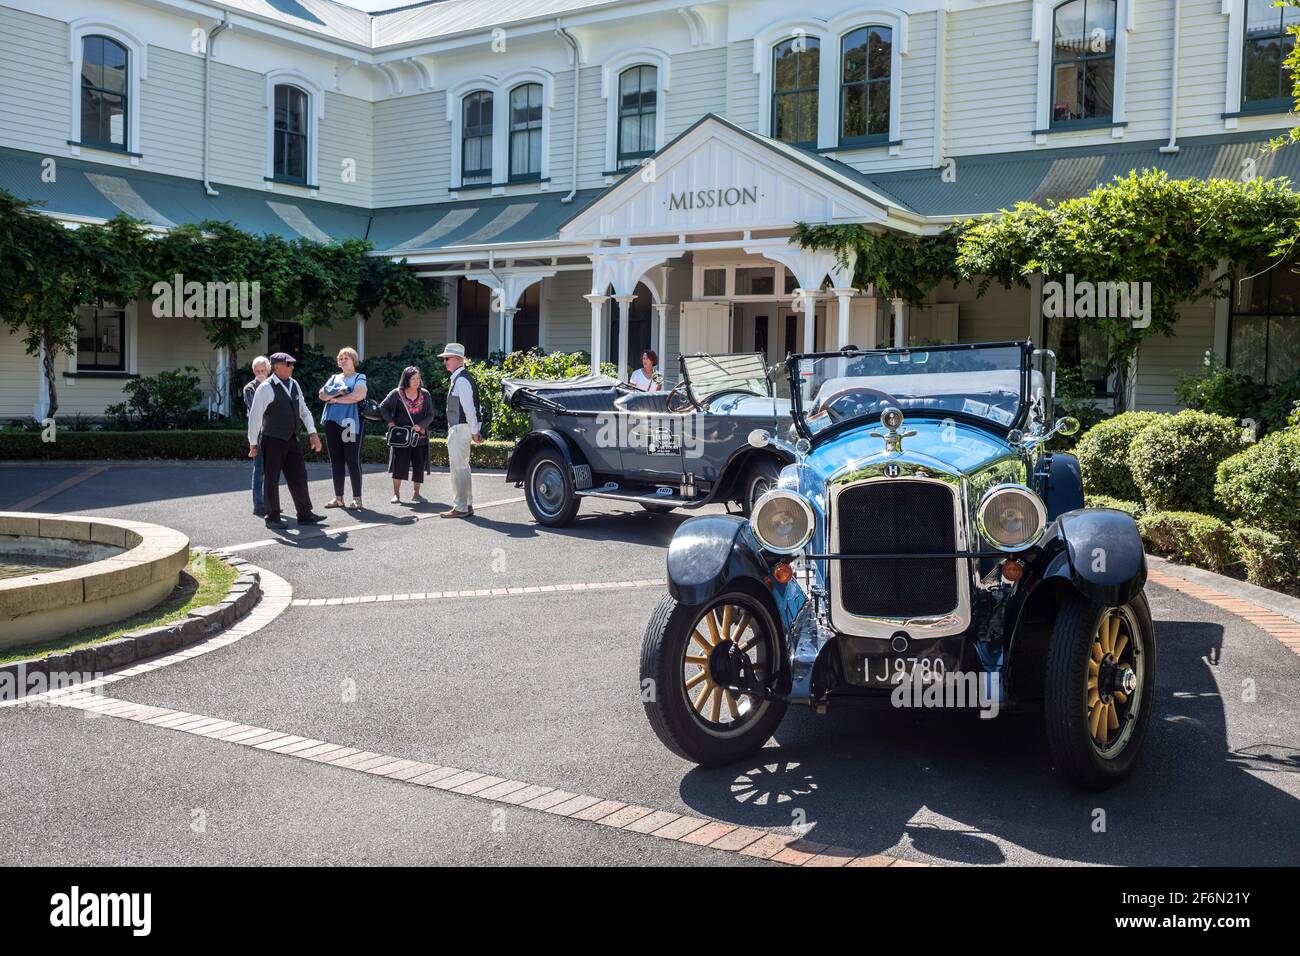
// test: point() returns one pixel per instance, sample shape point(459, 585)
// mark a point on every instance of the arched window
point(796, 63)
point(866, 56)
point(1083, 61)
point(290, 133)
point(637, 105)
point(1265, 82)
point(526, 132)
point(104, 92)
point(476, 139)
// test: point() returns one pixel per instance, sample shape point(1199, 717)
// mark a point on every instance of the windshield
point(984, 382)
point(710, 375)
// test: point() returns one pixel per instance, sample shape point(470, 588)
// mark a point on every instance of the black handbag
point(370, 410)
point(403, 436)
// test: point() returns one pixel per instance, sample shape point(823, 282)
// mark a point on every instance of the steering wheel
point(734, 391)
point(679, 400)
point(854, 402)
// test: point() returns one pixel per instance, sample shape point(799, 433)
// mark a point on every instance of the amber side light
point(1013, 570)
point(783, 573)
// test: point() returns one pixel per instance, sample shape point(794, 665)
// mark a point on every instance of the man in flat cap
point(278, 406)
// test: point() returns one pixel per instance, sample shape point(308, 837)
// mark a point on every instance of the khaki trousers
point(458, 445)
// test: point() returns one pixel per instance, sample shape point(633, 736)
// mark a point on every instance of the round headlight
point(1011, 517)
point(782, 521)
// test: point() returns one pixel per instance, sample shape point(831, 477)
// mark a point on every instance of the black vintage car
point(595, 437)
point(925, 549)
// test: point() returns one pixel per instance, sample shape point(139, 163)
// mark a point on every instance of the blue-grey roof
point(82, 188)
point(996, 181)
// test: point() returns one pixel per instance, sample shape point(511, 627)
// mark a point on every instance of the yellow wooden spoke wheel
point(1114, 679)
point(720, 626)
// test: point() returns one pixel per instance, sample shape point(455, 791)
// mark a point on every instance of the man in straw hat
point(463, 426)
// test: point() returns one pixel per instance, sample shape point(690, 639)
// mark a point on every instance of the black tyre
point(549, 489)
point(760, 478)
point(694, 717)
point(1101, 681)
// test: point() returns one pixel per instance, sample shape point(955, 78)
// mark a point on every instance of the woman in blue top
point(344, 429)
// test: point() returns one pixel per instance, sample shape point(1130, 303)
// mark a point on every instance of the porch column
point(808, 305)
point(361, 337)
point(508, 329)
point(624, 308)
point(661, 331)
point(597, 314)
point(845, 298)
point(900, 323)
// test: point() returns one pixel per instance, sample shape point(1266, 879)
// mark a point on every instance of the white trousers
point(458, 444)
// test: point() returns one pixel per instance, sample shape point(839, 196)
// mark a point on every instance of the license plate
point(889, 670)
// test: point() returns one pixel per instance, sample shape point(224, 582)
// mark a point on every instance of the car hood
point(953, 447)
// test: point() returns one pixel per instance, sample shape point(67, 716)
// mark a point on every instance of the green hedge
point(1106, 501)
point(1203, 540)
point(1174, 459)
point(1269, 560)
point(206, 444)
point(1261, 485)
point(1104, 454)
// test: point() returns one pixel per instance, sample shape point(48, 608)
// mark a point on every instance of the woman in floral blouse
point(410, 405)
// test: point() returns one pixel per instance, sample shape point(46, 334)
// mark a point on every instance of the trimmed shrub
point(1269, 560)
point(1103, 454)
point(205, 444)
point(1106, 501)
point(165, 400)
point(1221, 390)
point(1174, 459)
point(1261, 485)
point(1198, 539)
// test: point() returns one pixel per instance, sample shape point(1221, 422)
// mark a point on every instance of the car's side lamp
point(1067, 426)
point(783, 573)
point(759, 438)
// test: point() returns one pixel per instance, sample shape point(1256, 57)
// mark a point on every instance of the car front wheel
point(694, 716)
point(1101, 669)
point(760, 478)
point(549, 489)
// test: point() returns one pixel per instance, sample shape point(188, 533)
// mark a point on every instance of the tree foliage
point(48, 270)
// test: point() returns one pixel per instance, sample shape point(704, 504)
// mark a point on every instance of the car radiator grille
point(897, 517)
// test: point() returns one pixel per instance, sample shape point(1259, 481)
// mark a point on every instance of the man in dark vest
point(278, 407)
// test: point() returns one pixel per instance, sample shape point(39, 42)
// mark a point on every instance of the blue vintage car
point(923, 549)
point(594, 437)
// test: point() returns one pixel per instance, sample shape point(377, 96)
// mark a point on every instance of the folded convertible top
point(510, 386)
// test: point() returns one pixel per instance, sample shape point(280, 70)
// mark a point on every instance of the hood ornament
point(891, 421)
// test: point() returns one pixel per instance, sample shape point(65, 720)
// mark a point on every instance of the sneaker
point(453, 513)
point(310, 518)
point(395, 500)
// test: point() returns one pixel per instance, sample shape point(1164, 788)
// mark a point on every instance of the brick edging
point(1278, 626)
point(200, 624)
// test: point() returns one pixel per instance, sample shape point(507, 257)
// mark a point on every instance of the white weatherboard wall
point(412, 144)
point(18, 377)
point(696, 89)
point(742, 85)
point(568, 323)
point(35, 101)
point(992, 70)
point(1163, 361)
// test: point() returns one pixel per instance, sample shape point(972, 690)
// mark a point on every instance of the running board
point(612, 491)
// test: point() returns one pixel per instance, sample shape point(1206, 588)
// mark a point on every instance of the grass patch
point(205, 580)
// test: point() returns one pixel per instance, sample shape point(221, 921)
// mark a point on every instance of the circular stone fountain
point(67, 572)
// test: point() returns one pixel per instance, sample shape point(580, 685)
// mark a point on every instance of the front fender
point(523, 452)
point(709, 552)
point(1102, 555)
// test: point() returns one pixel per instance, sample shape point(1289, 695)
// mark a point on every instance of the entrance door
point(706, 327)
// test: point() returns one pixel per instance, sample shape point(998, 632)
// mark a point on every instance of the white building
point(625, 174)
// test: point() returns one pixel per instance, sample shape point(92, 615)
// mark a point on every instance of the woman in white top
point(644, 377)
